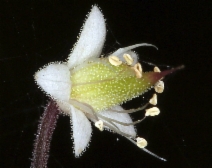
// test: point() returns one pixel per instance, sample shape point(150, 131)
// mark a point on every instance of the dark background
point(34, 33)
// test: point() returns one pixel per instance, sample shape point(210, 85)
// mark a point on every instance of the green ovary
point(102, 85)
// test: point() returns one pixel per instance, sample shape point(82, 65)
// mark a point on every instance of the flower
point(89, 87)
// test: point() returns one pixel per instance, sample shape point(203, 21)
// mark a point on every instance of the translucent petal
point(54, 79)
point(132, 54)
point(122, 51)
point(122, 117)
point(81, 131)
point(91, 39)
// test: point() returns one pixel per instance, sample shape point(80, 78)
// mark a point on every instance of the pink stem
point(44, 135)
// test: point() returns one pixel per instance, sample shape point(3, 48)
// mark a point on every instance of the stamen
point(152, 111)
point(117, 130)
point(147, 151)
point(138, 70)
point(90, 114)
point(141, 142)
point(114, 60)
point(137, 73)
point(119, 122)
point(159, 87)
point(110, 122)
point(156, 69)
point(153, 100)
point(132, 110)
point(87, 109)
point(138, 67)
point(99, 125)
point(128, 59)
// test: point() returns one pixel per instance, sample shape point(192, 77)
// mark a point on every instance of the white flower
point(89, 88)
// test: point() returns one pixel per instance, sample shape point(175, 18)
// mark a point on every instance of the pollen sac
point(128, 59)
point(141, 142)
point(138, 70)
point(99, 125)
point(152, 111)
point(138, 67)
point(159, 87)
point(114, 60)
point(153, 100)
point(156, 69)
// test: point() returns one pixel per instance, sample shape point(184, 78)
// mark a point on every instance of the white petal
point(132, 54)
point(122, 117)
point(54, 79)
point(81, 131)
point(91, 39)
point(122, 51)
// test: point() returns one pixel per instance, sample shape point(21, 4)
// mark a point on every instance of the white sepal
point(54, 79)
point(81, 130)
point(91, 39)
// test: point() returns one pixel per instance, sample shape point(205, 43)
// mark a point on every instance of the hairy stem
point(44, 135)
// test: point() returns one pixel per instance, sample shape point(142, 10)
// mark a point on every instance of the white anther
point(152, 111)
point(153, 100)
point(156, 69)
point(128, 59)
point(141, 142)
point(99, 125)
point(114, 60)
point(137, 73)
point(138, 67)
point(159, 87)
point(138, 70)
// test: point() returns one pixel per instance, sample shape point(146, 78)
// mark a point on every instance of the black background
point(34, 33)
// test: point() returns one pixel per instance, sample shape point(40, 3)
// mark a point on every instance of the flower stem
point(44, 135)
